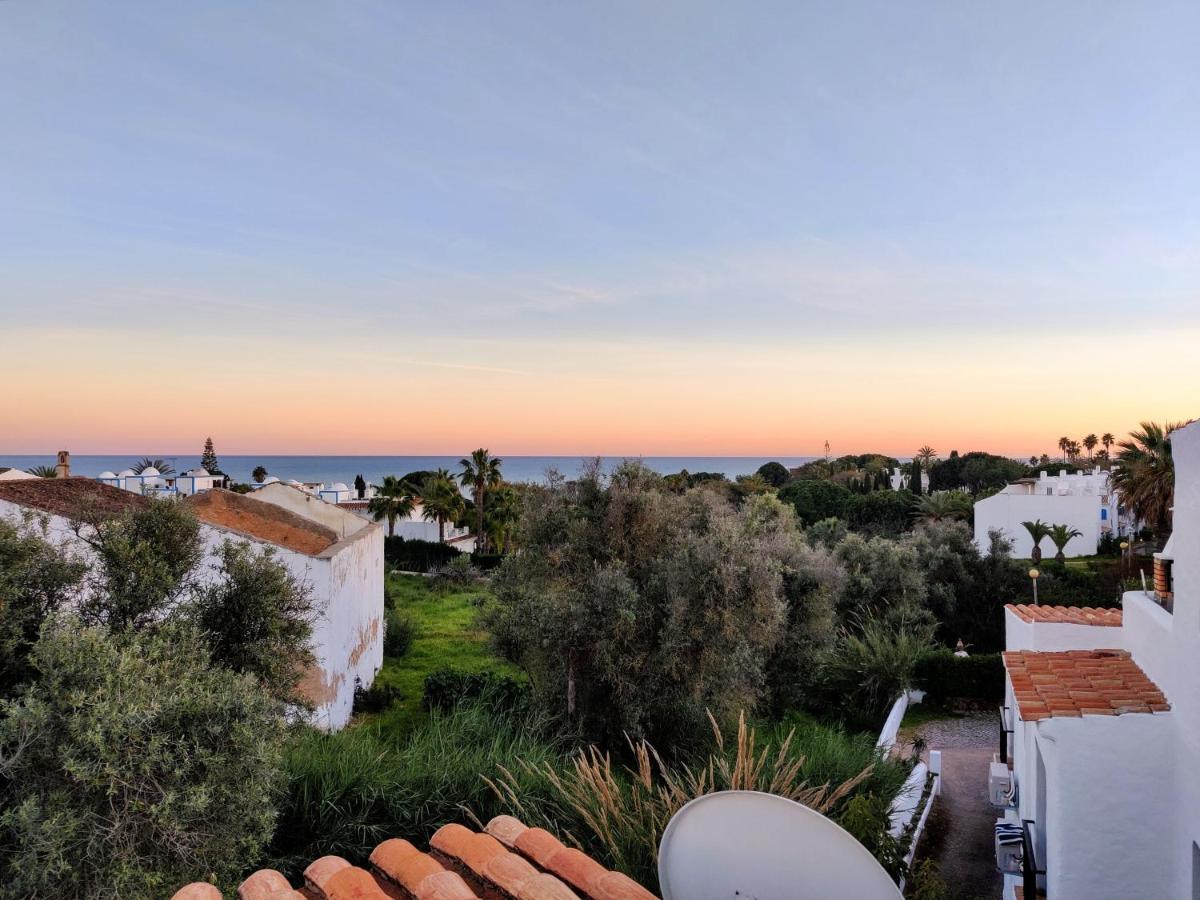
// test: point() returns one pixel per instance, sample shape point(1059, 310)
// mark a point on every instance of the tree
point(975, 471)
point(480, 472)
point(1090, 443)
point(36, 580)
point(132, 765)
point(634, 608)
point(914, 480)
point(880, 575)
point(1060, 536)
point(943, 506)
point(360, 486)
point(1038, 532)
point(208, 459)
point(1108, 440)
point(880, 512)
point(43, 471)
point(1064, 444)
point(503, 510)
point(774, 474)
point(394, 500)
point(441, 500)
point(163, 467)
point(815, 500)
point(928, 456)
point(259, 475)
point(257, 619)
point(1145, 474)
point(144, 562)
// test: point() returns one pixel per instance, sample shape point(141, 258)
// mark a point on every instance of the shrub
point(446, 688)
point(945, 676)
point(378, 697)
point(815, 500)
point(132, 765)
point(398, 632)
point(346, 792)
point(416, 555)
point(869, 668)
point(485, 562)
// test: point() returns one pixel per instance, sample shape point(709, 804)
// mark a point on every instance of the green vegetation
point(394, 499)
point(1145, 474)
point(444, 634)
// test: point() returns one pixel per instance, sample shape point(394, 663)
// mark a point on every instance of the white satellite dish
point(746, 845)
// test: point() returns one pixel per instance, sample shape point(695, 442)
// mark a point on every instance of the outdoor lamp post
point(1033, 577)
point(1124, 553)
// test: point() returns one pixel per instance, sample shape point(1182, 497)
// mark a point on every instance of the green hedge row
point(416, 555)
point(445, 688)
point(944, 676)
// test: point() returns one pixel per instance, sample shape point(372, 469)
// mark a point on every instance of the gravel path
point(958, 836)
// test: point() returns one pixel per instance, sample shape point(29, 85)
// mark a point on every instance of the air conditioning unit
point(1001, 786)
point(1010, 847)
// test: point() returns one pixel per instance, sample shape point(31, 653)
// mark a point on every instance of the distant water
point(330, 469)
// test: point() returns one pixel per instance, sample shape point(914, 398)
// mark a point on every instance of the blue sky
point(516, 187)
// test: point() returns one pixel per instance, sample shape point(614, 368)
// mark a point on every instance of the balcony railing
point(1029, 866)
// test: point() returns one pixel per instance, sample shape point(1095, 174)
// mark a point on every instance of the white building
point(899, 479)
point(338, 555)
point(414, 526)
point(1083, 501)
point(1102, 715)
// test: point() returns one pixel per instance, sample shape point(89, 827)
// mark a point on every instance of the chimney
point(63, 469)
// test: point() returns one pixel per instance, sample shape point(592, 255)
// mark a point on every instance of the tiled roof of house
point(69, 497)
point(1067, 615)
point(261, 520)
point(506, 862)
point(1072, 683)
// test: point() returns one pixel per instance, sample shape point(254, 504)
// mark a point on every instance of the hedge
point(415, 555)
point(944, 676)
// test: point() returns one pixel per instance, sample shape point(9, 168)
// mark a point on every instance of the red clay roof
point(70, 497)
point(261, 520)
point(507, 862)
point(1067, 615)
point(1073, 683)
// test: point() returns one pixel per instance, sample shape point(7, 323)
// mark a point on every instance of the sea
point(331, 469)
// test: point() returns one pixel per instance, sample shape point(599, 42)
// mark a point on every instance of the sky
point(615, 228)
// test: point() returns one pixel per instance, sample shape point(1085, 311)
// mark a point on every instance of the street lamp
point(1124, 553)
point(1033, 577)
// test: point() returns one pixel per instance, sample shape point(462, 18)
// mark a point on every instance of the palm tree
point(1090, 443)
point(1064, 444)
point(1038, 531)
point(481, 473)
point(943, 506)
point(1060, 536)
point(1107, 440)
point(393, 500)
point(43, 471)
point(504, 508)
point(164, 467)
point(1145, 474)
point(259, 474)
point(928, 456)
point(441, 500)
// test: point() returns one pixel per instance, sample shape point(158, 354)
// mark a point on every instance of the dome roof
point(340, 486)
point(293, 481)
point(270, 479)
point(105, 476)
point(126, 473)
point(199, 473)
point(148, 472)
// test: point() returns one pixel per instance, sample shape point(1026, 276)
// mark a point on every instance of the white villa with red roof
point(1102, 731)
point(339, 556)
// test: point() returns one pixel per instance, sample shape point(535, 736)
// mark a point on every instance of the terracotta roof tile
point(476, 865)
point(1067, 615)
point(1072, 683)
point(262, 521)
point(262, 884)
point(70, 497)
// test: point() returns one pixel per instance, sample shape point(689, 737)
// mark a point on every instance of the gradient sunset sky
point(618, 228)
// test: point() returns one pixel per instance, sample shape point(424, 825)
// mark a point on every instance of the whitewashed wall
point(1006, 512)
point(1047, 637)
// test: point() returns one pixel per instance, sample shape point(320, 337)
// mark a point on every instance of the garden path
point(959, 835)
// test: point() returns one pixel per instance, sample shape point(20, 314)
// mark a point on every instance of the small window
point(1103, 515)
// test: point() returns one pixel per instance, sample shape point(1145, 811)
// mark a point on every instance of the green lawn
point(445, 636)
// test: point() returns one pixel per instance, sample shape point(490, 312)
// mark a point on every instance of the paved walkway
point(959, 835)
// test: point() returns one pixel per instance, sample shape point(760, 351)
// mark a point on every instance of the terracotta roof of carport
point(1066, 615)
point(508, 861)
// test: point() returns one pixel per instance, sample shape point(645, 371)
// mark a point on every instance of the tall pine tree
point(914, 481)
point(208, 459)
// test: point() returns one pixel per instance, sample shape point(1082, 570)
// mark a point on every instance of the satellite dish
point(746, 845)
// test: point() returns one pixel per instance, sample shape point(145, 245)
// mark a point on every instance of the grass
point(444, 635)
point(919, 714)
